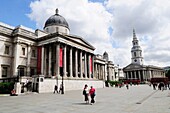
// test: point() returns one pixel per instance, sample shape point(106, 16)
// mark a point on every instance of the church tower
point(136, 51)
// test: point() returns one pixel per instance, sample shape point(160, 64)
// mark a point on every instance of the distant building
point(136, 70)
point(105, 69)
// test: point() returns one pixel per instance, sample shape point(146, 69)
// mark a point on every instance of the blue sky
point(13, 12)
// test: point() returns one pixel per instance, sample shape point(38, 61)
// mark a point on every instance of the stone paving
point(138, 99)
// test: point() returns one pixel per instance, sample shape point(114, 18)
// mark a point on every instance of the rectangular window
point(21, 71)
point(23, 51)
point(7, 50)
point(4, 71)
point(33, 53)
point(32, 71)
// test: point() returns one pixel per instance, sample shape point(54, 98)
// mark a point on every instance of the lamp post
point(62, 83)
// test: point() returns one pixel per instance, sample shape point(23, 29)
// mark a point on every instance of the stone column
point(135, 74)
point(89, 66)
point(105, 67)
point(127, 75)
point(71, 69)
point(139, 75)
point(85, 65)
point(29, 53)
point(64, 66)
point(57, 59)
point(131, 74)
point(45, 61)
point(81, 75)
point(16, 59)
point(42, 61)
point(76, 64)
point(150, 74)
point(103, 78)
point(49, 60)
point(144, 76)
point(99, 71)
point(96, 71)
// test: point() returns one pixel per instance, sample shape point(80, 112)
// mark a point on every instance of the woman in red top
point(92, 94)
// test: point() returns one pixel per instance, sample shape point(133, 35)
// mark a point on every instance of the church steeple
point(136, 51)
point(134, 34)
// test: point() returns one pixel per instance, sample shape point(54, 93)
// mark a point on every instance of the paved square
point(138, 99)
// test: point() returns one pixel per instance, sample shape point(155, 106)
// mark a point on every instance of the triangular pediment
point(133, 66)
point(69, 39)
point(79, 40)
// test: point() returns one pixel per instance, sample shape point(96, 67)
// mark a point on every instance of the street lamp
point(62, 83)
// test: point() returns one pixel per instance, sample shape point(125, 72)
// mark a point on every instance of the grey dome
point(106, 56)
point(56, 20)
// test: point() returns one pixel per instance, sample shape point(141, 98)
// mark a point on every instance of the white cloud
point(93, 20)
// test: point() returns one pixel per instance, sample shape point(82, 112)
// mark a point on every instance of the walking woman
point(86, 94)
point(92, 95)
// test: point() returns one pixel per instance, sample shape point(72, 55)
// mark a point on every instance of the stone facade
point(105, 69)
point(51, 52)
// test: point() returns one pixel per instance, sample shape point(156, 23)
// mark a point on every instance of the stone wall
point(47, 85)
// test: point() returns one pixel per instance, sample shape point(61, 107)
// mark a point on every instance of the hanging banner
point(39, 53)
point(91, 64)
point(61, 57)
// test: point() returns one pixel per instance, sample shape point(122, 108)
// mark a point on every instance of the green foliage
point(112, 83)
point(168, 73)
point(6, 87)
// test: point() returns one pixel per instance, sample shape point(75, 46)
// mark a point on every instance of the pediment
point(133, 66)
point(72, 40)
point(80, 41)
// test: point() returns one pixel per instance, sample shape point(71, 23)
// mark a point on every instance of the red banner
point(61, 57)
point(39, 53)
point(91, 64)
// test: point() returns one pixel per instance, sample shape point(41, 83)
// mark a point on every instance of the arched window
point(134, 53)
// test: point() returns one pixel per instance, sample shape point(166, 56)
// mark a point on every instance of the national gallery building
point(53, 53)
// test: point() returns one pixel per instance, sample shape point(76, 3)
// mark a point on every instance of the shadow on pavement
point(81, 103)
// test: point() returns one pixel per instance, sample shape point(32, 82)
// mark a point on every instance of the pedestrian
point(13, 93)
point(154, 86)
point(92, 94)
point(55, 89)
point(26, 84)
point(127, 85)
point(86, 94)
point(61, 88)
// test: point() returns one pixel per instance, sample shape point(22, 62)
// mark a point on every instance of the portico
point(71, 59)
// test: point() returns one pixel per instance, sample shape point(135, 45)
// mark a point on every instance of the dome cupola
point(105, 56)
point(56, 23)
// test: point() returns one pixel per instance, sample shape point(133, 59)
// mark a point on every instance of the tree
point(168, 74)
